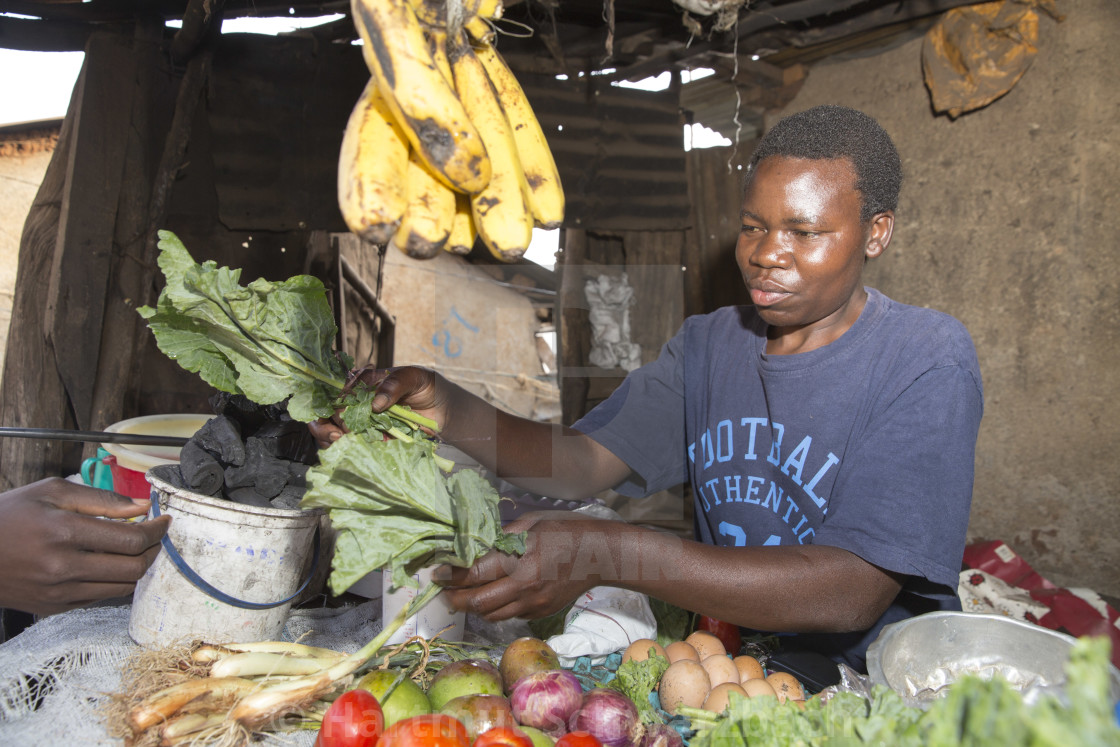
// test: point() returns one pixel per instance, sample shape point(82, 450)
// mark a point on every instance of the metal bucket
point(227, 573)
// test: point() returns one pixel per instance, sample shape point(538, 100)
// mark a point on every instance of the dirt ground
point(1008, 221)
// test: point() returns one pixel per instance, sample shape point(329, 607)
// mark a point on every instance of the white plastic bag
point(605, 619)
point(601, 622)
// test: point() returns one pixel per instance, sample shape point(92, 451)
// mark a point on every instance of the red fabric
point(1068, 613)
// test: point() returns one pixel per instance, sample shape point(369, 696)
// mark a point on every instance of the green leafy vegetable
point(672, 621)
point(269, 341)
point(637, 679)
point(974, 711)
point(394, 509)
point(272, 342)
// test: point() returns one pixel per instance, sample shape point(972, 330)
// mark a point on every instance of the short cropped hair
point(828, 132)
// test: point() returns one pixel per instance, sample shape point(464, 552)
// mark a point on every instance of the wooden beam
point(573, 334)
point(42, 36)
point(78, 285)
point(130, 282)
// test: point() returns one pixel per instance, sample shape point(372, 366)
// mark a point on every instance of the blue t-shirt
point(866, 444)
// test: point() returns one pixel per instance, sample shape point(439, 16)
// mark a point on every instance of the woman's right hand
point(421, 389)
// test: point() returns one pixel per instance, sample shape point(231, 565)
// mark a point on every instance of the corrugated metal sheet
point(620, 153)
point(277, 108)
point(712, 103)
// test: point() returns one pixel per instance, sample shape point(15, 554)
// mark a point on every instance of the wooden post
point(130, 281)
point(55, 335)
point(573, 335)
point(143, 211)
point(79, 276)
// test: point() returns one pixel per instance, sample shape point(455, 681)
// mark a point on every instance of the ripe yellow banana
point(433, 13)
point(371, 168)
point(501, 210)
point(463, 233)
point(423, 101)
point(546, 195)
point(437, 43)
point(430, 213)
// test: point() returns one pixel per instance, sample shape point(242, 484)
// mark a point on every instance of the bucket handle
point(221, 596)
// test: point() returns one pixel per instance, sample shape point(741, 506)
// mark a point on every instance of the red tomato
point(727, 633)
point(426, 730)
point(577, 739)
point(354, 719)
point(503, 736)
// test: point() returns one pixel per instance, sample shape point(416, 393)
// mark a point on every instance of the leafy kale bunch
point(273, 342)
point(399, 511)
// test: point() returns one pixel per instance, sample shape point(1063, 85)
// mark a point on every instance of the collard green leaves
point(268, 341)
point(394, 509)
point(272, 342)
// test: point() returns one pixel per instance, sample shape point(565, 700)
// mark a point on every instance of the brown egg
point(759, 689)
point(786, 686)
point(639, 650)
point(720, 669)
point(749, 668)
point(706, 644)
point(680, 650)
point(685, 682)
point(719, 697)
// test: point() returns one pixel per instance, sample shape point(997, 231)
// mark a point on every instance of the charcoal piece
point(289, 439)
point(199, 469)
point(289, 498)
point(261, 470)
point(297, 475)
point(248, 497)
point(221, 436)
point(248, 414)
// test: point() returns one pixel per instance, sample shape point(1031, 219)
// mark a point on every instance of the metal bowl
point(918, 658)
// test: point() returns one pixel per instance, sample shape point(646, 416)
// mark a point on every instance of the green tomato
point(407, 700)
point(539, 738)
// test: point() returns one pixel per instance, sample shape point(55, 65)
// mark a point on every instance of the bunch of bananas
point(442, 146)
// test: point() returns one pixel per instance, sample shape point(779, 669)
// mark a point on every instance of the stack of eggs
point(702, 674)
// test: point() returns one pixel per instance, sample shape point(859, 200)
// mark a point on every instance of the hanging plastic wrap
point(609, 299)
point(976, 54)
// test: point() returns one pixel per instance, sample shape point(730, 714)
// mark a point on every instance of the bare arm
point(547, 459)
point(812, 588)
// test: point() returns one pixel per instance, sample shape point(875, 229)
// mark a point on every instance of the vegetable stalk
point(258, 703)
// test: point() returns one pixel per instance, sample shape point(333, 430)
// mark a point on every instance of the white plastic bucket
point(436, 618)
point(255, 561)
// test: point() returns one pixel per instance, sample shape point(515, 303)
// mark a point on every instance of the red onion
point(661, 735)
point(546, 700)
point(609, 716)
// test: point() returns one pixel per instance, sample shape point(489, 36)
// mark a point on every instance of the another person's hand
point(565, 556)
point(418, 388)
point(56, 554)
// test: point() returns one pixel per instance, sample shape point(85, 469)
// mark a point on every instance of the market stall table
point(58, 676)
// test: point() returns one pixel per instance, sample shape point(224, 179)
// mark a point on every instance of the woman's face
point(802, 248)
